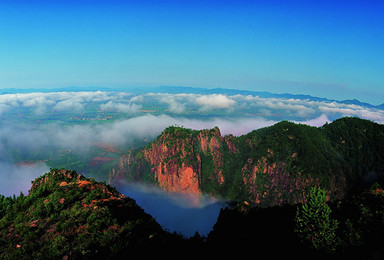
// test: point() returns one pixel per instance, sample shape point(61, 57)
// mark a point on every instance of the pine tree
point(314, 224)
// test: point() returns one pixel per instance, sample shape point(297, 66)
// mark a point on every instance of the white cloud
point(4, 108)
point(215, 101)
point(173, 105)
point(352, 110)
point(129, 108)
point(137, 99)
point(317, 122)
point(68, 105)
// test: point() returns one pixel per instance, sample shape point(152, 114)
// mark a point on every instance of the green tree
point(314, 224)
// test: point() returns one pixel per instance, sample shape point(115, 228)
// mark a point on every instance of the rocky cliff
point(269, 166)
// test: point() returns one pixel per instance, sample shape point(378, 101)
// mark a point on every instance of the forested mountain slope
point(270, 166)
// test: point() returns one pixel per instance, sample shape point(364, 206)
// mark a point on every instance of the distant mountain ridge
point(192, 90)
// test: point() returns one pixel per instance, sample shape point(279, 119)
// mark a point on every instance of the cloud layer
point(146, 115)
point(235, 105)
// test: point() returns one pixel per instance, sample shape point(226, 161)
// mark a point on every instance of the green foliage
point(314, 224)
point(67, 214)
point(362, 221)
point(6, 204)
point(315, 153)
point(139, 168)
point(360, 144)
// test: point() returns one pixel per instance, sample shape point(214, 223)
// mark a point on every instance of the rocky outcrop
point(55, 175)
point(211, 143)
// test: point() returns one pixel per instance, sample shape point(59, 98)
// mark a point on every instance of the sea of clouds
point(235, 114)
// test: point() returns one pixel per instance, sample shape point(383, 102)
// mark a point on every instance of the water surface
point(175, 212)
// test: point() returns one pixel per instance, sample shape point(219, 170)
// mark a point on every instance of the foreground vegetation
point(352, 228)
point(68, 216)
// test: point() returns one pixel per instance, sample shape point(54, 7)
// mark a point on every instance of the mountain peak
point(55, 176)
point(67, 215)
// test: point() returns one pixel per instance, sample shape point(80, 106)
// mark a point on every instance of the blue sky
point(332, 49)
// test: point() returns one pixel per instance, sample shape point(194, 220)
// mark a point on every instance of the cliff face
point(176, 160)
point(269, 166)
point(273, 184)
point(174, 163)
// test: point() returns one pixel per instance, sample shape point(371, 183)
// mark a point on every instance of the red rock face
point(99, 161)
point(182, 179)
point(211, 143)
point(171, 175)
point(229, 140)
point(107, 147)
point(177, 162)
point(65, 173)
point(270, 183)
